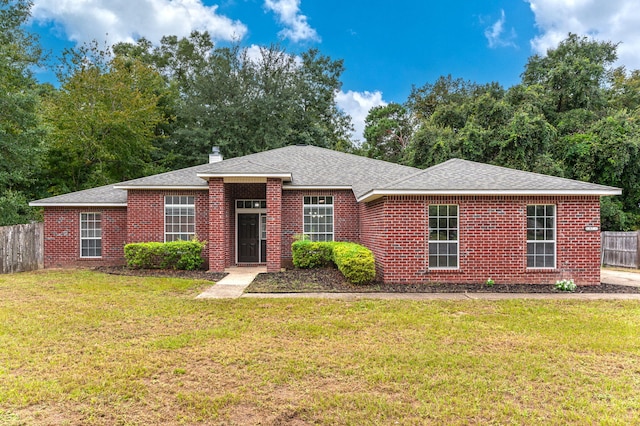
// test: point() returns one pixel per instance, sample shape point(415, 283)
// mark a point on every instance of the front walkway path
point(232, 286)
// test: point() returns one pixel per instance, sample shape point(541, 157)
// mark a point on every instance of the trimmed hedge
point(308, 254)
point(355, 261)
point(185, 255)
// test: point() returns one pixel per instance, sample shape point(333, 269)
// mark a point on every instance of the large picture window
point(443, 236)
point(541, 236)
point(90, 235)
point(179, 218)
point(318, 218)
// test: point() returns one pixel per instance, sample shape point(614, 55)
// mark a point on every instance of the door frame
point(260, 211)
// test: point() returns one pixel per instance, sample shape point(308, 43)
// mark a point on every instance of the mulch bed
point(330, 280)
point(166, 273)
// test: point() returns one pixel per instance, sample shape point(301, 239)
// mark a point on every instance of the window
point(541, 236)
point(443, 236)
point(179, 218)
point(90, 235)
point(318, 218)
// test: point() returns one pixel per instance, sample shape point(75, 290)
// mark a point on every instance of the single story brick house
point(458, 221)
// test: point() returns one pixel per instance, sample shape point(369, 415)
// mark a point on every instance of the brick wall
point(145, 211)
point(345, 215)
point(62, 236)
point(274, 224)
point(492, 239)
point(374, 233)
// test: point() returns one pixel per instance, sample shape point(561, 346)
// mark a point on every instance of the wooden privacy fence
point(620, 249)
point(21, 248)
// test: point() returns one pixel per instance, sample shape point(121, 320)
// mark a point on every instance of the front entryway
point(251, 231)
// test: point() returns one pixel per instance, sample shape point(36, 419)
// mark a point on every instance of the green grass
point(83, 348)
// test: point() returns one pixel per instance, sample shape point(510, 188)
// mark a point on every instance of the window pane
point(443, 228)
point(541, 236)
point(90, 235)
point(180, 217)
point(318, 217)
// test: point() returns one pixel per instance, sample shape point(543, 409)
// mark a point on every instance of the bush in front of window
point(184, 255)
point(354, 261)
point(310, 254)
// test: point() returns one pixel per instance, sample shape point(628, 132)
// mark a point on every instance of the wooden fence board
point(620, 249)
point(21, 248)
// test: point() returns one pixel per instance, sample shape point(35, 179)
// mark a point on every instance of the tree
point(245, 100)
point(103, 122)
point(574, 74)
point(20, 129)
point(387, 132)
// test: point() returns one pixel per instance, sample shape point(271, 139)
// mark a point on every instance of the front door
point(248, 237)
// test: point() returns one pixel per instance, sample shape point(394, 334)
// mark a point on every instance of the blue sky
point(387, 46)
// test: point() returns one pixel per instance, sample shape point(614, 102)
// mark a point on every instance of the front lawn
point(82, 348)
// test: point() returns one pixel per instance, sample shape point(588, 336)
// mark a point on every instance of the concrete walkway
point(238, 279)
point(232, 286)
point(629, 278)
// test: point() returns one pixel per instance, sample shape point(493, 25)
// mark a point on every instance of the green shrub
point(356, 262)
point(565, 285)
point(309, 254)
point(186, 255)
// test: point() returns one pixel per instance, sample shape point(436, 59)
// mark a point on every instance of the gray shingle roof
point(467, 177)
point(311, 166)
point(101, 196)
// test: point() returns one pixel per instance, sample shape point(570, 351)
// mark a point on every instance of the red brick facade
point(492, 239)
point(62, 236)
point(492, 231)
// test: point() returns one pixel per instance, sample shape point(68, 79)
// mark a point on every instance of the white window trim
point(333, 216)
point(90, 238)
point(554, 241)
point(457, 241)
point(164, 215)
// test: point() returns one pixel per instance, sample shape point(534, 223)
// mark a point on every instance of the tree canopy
point(134, 109)
point(572, 115)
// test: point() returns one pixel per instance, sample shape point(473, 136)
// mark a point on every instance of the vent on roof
point(215, 155)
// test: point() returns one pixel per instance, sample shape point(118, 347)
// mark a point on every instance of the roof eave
point(284, 176)
point(317, 187)
point(164, 187)
point(58, 204)
point(377, 193)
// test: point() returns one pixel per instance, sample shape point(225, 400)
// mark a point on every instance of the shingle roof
point(458, 176)
point(102, 196)
point(310, 166)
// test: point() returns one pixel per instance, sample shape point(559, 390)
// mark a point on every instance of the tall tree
point(387, 132)
point(573, 74)
point(20, 130)
point(103, 121)
point(246, 100)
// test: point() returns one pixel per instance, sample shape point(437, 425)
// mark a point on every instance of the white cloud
point(296, 26)
point(611, 20)
point(357, 105)
point(496, 36)
point(126, 20)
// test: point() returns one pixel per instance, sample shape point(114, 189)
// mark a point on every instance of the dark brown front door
point(248, 237)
